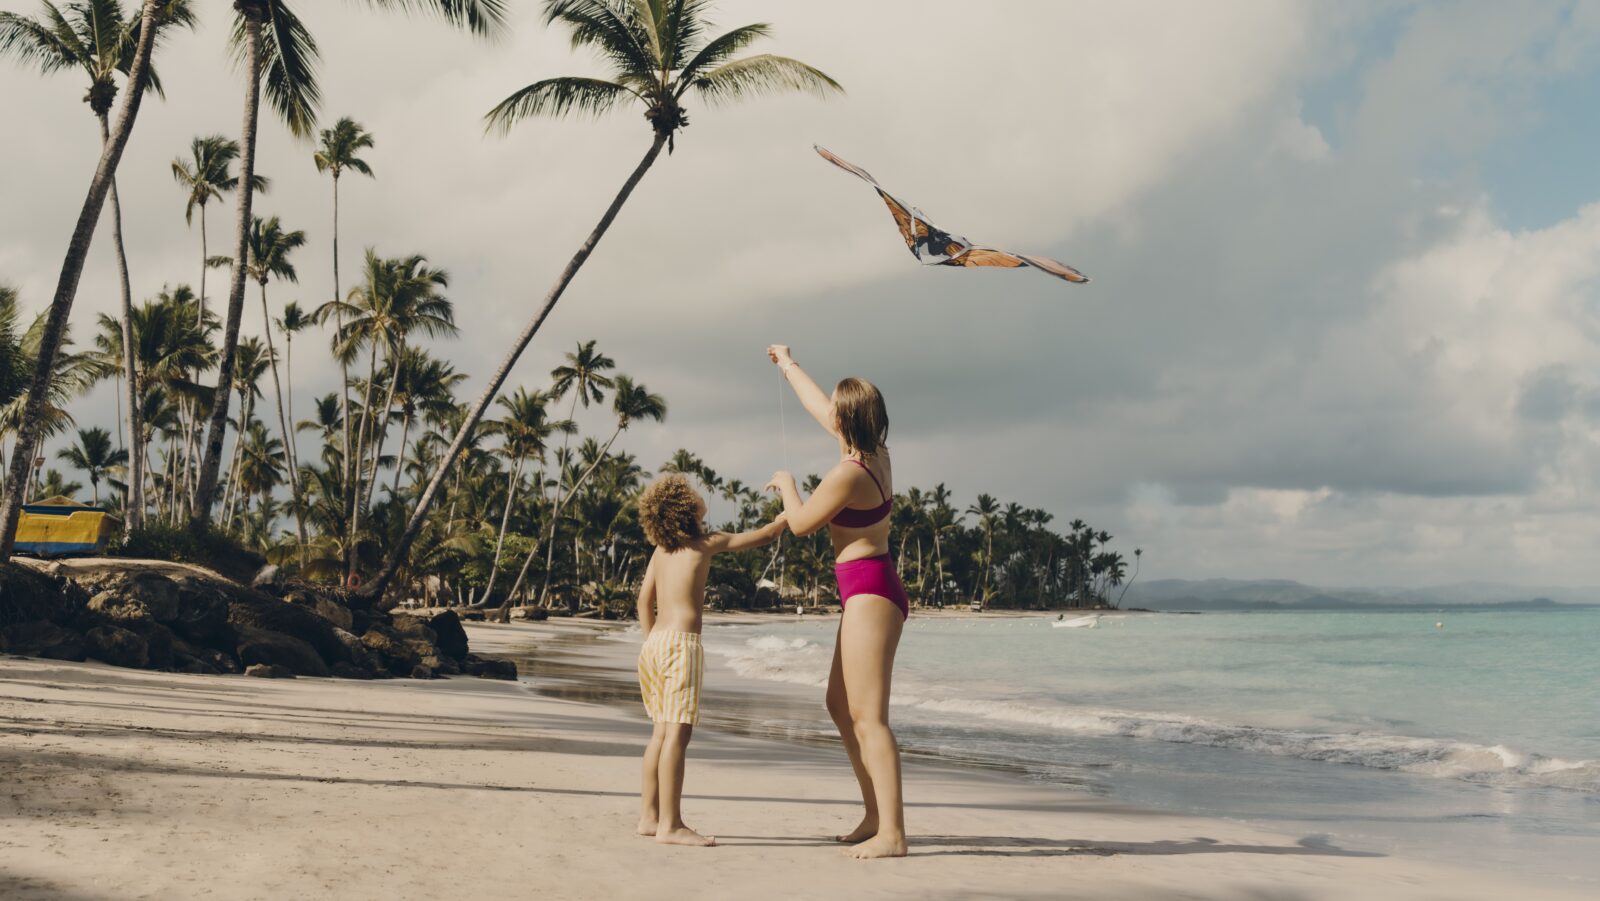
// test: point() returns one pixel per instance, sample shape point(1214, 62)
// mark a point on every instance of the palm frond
point(685, 22)
point(762, 74)
point(617, 33)
point(721, 49)
point(289, 57)
point(484, 17)
point(556, 97)
point(30, 41)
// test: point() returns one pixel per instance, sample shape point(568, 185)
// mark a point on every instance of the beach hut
point(59, 526)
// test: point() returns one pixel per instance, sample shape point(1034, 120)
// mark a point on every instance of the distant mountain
point(1284, 594)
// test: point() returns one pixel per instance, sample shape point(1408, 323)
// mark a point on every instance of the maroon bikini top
point(852, 518)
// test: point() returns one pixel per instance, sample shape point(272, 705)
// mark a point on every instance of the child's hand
point(779, 354)
point(779, 479)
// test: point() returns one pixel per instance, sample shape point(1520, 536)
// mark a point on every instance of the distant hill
point(1284, 594)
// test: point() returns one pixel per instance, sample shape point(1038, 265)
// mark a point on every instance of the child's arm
point(808, 516)
point(647, 598)
point(811, 397)
point(744, 541)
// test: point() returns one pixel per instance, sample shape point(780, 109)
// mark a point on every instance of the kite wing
point(934, 246)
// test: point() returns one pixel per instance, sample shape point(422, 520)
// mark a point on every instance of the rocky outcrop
point(150, 615)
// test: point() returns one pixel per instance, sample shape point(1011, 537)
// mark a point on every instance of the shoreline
point(124, 783)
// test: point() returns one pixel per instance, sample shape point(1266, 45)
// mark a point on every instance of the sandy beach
point(130, 784)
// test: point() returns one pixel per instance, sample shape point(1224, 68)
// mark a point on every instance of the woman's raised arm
point(813, 398)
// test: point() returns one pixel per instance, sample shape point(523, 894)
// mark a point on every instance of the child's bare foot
point(683, 835)
point(867, 829)
point(647, 826)
point(878, 846)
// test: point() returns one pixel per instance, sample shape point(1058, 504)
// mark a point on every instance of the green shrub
point(211, 548)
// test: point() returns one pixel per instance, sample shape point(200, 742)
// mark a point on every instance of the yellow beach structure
point(58, 526)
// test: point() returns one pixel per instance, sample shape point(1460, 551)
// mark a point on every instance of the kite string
point(783, 431)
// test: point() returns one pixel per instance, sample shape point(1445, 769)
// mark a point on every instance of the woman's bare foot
point(647, 826)
point(867, 829)
point(878, 846)
point(683, 835)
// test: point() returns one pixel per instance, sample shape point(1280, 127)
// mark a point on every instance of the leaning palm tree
point(98, 39)
point(280, 55)
point(340, 149)
point(94, 455)
point(270, 247)
point(658, 53)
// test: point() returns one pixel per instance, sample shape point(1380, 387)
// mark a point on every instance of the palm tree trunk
point(344, 396)
point(361, 453)
point(400, 460)
point(212, 460)
point(381, 423)
point(67, 285)
point(505, 520)
point(134, 507)
point(503, 614)
point(283, 426)
point(375, 588)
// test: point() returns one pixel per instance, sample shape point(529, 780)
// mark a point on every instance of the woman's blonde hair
point(669, 512)
point(862, 415)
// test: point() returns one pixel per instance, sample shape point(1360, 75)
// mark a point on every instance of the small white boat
point(1082, 622)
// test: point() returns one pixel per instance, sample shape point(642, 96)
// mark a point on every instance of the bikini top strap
point(874, 478)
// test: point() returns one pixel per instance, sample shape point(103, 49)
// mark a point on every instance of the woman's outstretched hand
point(781, 479)
point(779, 354)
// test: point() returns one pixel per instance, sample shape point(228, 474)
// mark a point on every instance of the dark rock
point(43, 638)
point(421, 672)
point(159, 642)
point(451, 637)
point(268, 671)
point(442, 666)
point(119, 607)
point(31, 596)
point(255, 611)
point(202, 615)
point(186, 664)
point(117, 646)
point(489, 667)
point(266, 646)
point(408, 626)
point(321, 605)
point(395, 653)
point(342, 670)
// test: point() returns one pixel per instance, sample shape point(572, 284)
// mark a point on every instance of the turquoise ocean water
point(1480, 739)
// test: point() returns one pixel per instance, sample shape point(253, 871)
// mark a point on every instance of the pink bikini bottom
point(871, 575)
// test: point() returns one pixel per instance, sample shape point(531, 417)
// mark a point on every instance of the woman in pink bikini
point(854, 501)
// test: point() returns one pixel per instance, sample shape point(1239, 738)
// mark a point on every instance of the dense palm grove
point(490, 501)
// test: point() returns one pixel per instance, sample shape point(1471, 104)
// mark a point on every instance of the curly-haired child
point(672, 662)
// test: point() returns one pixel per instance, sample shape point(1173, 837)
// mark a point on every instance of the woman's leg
point(839, 709)
point(868, 637)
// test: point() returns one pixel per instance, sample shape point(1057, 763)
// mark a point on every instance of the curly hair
point(669, 512)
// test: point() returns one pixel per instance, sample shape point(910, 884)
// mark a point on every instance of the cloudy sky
point(1346, 257)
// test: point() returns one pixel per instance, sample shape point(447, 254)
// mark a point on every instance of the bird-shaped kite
point(935, 247)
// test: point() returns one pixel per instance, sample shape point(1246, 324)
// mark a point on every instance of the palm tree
point(71, 376)
point(275, 48)
point(658, 54)
point(986, 509)
point(97, 38)
point(56, 485)
point(423, 385)
point(252, 367)
point(94, 455)
point(630, 402)
point(339, 150)
point(206, 176)
point(270, 247)
point(524, 433)
point(1138, 554)
point(293, 321)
